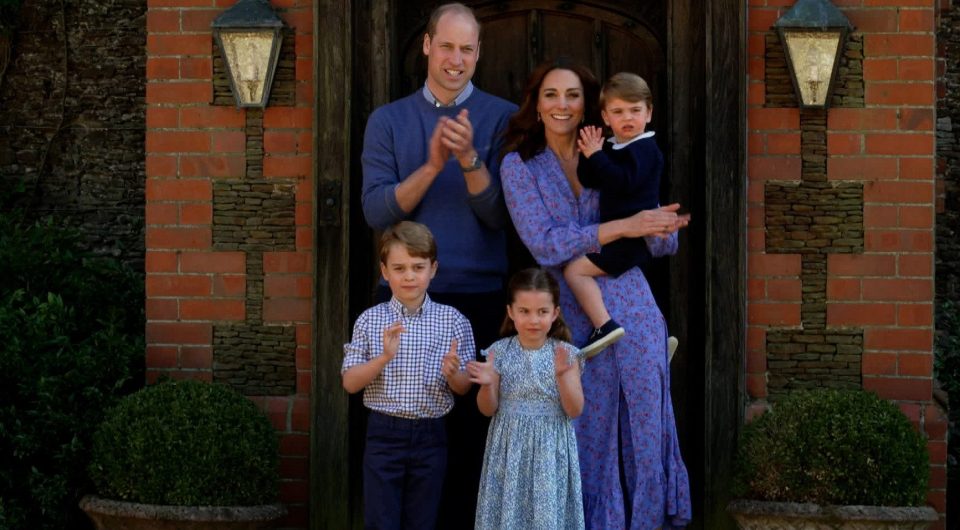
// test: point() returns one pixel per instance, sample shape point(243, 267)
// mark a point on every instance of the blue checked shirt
point(411, 385)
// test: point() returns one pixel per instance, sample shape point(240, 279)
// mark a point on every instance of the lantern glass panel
point(813, 54)
point(248, 55)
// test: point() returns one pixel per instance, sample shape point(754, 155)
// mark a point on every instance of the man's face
point(452, 55)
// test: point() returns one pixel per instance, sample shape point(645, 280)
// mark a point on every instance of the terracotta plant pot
point(763, 515)
point(120, 515)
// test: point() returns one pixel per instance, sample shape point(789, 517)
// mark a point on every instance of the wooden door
point(690, 54)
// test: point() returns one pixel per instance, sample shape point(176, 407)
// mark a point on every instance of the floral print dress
point(531, 474)
point(628, 412)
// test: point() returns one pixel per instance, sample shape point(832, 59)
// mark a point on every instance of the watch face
point(474, 164)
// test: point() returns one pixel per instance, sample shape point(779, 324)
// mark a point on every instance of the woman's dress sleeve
point(545, 219)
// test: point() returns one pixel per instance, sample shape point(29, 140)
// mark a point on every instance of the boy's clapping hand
point(451, 362)
point(391, 340)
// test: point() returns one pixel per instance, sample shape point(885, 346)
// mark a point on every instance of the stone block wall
point(948, 155)
point(229, 224)
point(72, 119)
point(840, 220)
point(948, 208)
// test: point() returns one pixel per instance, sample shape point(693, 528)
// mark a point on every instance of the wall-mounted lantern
point(249, 37)
point(813, 33)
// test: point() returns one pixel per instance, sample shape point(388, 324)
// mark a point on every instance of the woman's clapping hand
point(661, 222)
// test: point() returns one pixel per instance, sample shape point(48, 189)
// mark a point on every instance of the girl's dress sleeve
point(545, 219)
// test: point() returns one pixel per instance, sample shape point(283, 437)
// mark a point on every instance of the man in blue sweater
point(433, 157)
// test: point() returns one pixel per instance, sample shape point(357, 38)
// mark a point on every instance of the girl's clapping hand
point(561, 360)
point(483, 373)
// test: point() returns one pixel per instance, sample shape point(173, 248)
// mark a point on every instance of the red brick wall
point(191, 286)
point(888, 145)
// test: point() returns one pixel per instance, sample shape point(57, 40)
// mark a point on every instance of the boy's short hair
point(416, 237)
point(628, 87)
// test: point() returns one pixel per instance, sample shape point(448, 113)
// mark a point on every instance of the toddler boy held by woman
point(626, 171)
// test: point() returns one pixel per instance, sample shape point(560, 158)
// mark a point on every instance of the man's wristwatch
point(475, 163)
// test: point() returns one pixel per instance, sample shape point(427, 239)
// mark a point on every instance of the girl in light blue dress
point(530, 384)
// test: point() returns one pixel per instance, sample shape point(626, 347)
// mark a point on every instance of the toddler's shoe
point(672, 344)
point(602, 337)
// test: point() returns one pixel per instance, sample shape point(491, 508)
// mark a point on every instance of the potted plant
point(184, 455)
point(831, 459)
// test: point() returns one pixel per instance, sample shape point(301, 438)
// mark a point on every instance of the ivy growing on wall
point(9, 14)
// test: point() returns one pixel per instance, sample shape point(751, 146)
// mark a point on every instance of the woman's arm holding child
point(358, 377)
point(485, 375)
point(568, 381)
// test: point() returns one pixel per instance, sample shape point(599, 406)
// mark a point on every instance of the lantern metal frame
point(818, 17)
point(252, 17)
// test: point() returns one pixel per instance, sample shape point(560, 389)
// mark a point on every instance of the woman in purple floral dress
point(633, 475)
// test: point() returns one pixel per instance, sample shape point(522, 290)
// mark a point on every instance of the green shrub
point(71, 329)
point(186, 443)
point(833, 447)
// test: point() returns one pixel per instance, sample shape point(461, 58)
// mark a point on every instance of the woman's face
point(560, 102)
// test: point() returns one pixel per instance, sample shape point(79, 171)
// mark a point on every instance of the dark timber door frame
point(352, 71)
point(332, 64)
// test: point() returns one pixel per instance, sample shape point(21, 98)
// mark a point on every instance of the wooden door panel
point(641, 54)
point(565, 35)
point(504, 62)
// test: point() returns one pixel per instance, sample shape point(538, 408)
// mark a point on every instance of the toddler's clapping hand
point(590, 141)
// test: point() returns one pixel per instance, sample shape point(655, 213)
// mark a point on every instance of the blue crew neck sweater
point(471, 245)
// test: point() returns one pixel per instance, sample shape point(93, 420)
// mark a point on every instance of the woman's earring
point(581, 119)
point(538, 116)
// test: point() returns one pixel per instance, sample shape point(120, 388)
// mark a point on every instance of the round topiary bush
point(186, 443)
point(833, 447)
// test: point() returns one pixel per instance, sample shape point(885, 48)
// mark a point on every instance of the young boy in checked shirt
point(408, 355)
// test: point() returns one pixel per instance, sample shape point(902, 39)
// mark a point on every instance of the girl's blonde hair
point(536, 279)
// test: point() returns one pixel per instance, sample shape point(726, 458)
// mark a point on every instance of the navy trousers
point(404, 463)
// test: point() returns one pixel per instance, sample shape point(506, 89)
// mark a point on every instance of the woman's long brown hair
point(524, 133)
point(536, 279)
